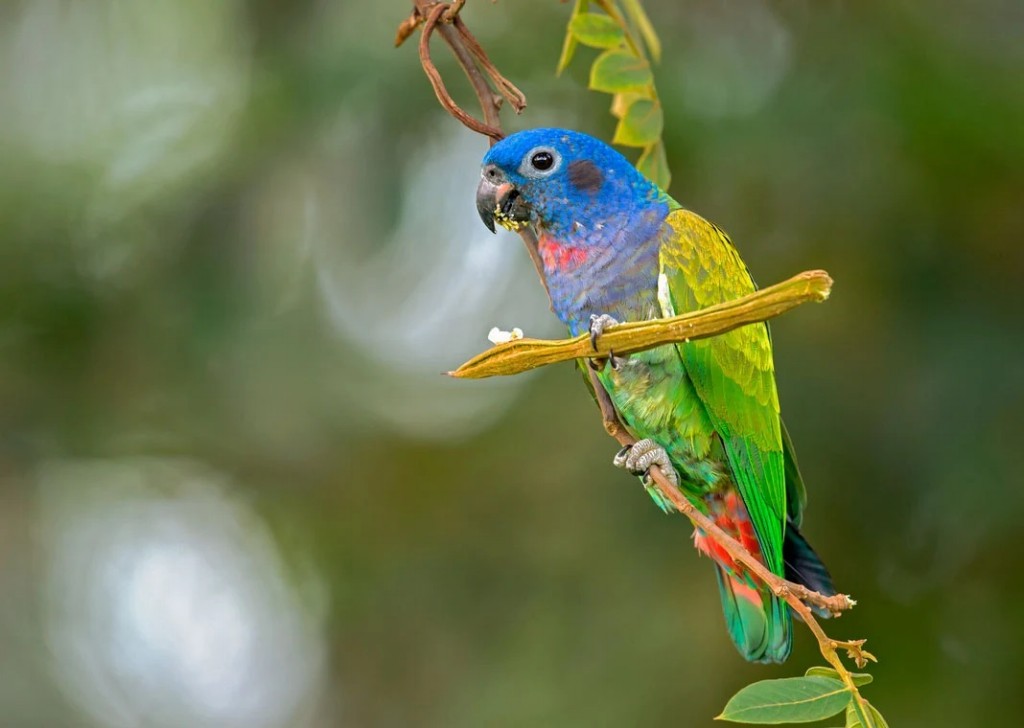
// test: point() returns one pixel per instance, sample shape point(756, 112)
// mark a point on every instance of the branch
point(522, 355)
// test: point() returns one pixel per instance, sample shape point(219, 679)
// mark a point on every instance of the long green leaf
point(789, 700)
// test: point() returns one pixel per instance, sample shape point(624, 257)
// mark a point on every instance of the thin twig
point(507, 89)
point(452, 13)
point(441, 15)
point(433, 15)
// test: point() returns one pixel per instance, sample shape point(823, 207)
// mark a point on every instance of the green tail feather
point(762, 631)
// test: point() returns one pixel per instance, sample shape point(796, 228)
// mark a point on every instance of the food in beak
point(501, 203)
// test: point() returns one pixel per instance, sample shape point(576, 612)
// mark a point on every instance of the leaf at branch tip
point(596, 30)
point(641, 125)
point(859, 678)
point(618, 71)
point(653, 165)
point(636, 13)
point(789, 700)
point(853, 720)
point(570, 42)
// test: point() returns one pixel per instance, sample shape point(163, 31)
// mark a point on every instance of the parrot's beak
point(498, 201)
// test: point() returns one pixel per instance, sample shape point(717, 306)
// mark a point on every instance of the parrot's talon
point(598, 324)
point(598, 363)
point(640, 457)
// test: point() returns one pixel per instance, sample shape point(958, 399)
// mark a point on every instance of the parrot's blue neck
point(611, 270)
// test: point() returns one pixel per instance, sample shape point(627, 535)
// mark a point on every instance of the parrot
point(615, 247)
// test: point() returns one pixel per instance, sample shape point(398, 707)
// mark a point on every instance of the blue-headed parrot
point(615, 247)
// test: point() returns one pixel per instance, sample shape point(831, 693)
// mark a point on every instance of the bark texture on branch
point(522, 355)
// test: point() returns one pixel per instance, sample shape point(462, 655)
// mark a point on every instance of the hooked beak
point(498, 201)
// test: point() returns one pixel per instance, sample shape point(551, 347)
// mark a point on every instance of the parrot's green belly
point(656, 400)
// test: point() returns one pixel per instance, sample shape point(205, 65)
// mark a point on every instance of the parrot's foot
point(598, 324)
point(598, 364)
point(640, 456)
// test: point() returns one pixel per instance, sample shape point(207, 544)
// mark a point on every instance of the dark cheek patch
point(585, 176)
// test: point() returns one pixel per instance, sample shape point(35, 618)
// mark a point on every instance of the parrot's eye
point(540, 162)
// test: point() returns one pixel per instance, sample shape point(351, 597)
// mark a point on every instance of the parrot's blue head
point(563, 182)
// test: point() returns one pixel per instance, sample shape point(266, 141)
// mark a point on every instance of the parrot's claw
point(618, 362)
point(641, 456)
point(598, 324)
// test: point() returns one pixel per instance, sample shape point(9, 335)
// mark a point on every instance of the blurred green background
point(237, 246)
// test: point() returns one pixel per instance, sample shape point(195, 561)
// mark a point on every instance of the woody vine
point(629, 45)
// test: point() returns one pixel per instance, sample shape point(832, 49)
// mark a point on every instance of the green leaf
point(859, 678)
point(641, 125)
point(570, 42)
point(636, 13)
point(618, 71)
point(854, 721)
point(654, 166)
point(598, 31)
point(621, 102)
point(789, 700)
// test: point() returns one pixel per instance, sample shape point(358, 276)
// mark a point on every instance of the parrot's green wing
point(732, 373)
